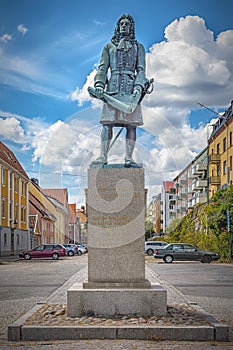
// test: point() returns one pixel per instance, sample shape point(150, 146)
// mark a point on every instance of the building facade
point(221, 153)
point(59, 198)
point(168, 198)
point(14, 233)
point(42, 216)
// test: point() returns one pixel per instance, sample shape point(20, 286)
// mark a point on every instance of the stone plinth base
point(116, 302)
point(116, 284)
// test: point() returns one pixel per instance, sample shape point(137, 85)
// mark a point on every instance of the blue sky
point(49, 51)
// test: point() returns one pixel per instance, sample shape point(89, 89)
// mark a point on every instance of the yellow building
point(42, 216)
point(55, 207)
point(221, 152)
point(14, 235)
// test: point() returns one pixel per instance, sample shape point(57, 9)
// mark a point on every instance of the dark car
point(53, 251)
point(184, 251)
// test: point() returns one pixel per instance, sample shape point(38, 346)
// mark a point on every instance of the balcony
point(214, 158)
point(199, 184)
point(199, 169)
point(201, 198)
point(214, 180)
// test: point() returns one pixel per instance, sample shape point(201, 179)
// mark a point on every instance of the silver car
point(71, 249)
point(150, 246)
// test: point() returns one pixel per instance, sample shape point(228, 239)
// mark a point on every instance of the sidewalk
point(8, 258)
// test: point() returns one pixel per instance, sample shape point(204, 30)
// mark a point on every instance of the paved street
point(25, 283)
point(209, 285)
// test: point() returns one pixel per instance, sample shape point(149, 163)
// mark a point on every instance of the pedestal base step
point(113, 302)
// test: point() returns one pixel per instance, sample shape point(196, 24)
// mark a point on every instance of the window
point(16, 184)
point(3, 207)
point(16, 211)
point(22, 188)
point(231, 163)
point(3, 176)
point(218, 148)
point(224, 144)
point(48, 247)
point(11, 181)
point(177, 247)
point(11, 210)
point(224, 167)
point(230, 138)
point(41, 247)
point(5, 240)
point(218, 170)
point(23, 214)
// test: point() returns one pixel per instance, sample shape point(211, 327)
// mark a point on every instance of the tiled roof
point(60, 194)
point(8, 156)
point(167, 185)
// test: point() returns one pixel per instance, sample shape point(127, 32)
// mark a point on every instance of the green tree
point(206, 225)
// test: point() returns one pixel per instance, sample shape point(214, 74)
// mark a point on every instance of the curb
point(18, 331)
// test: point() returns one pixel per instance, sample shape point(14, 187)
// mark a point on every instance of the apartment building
point(191, 184)
point(221, 152)
point(14, 181)
point(208, 172)
point(168, 200)
point(154, 213)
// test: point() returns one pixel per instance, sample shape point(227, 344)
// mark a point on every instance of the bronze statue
point(123, 91)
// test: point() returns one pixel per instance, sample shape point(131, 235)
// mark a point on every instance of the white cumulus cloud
point(6, 37)
point(22, 29)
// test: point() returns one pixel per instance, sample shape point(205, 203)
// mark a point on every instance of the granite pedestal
point(116, 285)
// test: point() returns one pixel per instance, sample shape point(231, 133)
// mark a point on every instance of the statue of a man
point(120, 82)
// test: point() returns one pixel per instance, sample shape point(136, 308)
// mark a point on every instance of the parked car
point(81, 249)
point(53, 251)
point(71, 249)
point(150, 246)
point(184, 251)
point(85, 246)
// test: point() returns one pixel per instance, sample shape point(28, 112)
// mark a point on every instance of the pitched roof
point(40, 207)
point(8, 157)
point(167, 185)
point(60, 194)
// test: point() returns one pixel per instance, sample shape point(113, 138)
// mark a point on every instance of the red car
point(53, 251)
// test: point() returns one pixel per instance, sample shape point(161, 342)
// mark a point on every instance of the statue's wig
point(117, 36)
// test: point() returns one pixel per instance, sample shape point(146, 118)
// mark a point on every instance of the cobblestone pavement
point(16, 308)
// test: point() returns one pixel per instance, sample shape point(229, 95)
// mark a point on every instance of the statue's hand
point(137, 91)
point(99, 91)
